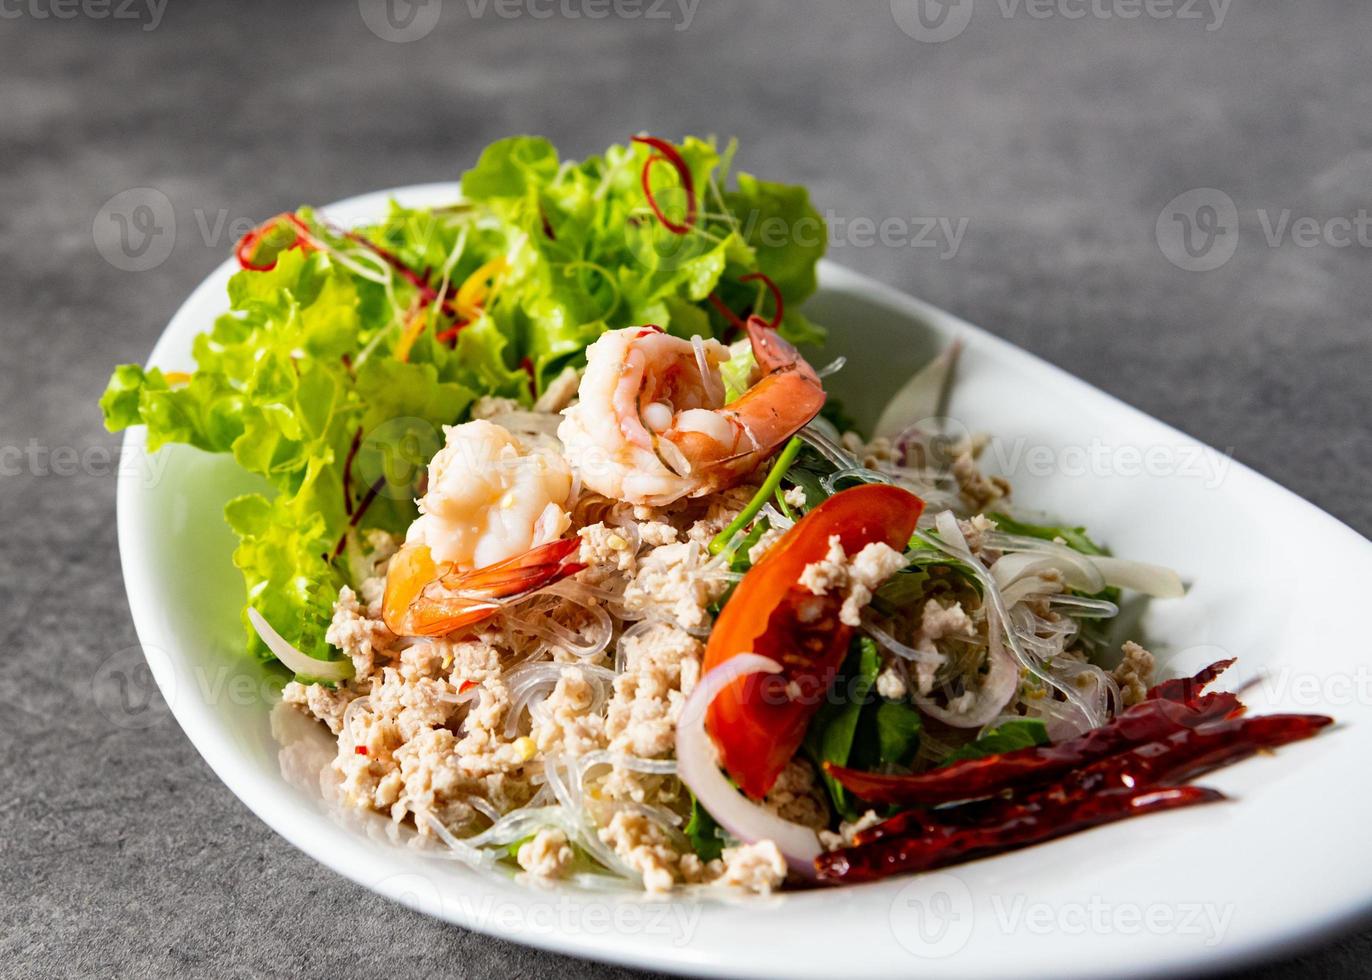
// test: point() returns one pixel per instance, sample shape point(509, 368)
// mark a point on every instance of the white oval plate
point(1274, 581)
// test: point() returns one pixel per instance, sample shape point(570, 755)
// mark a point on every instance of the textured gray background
point(1058, 140)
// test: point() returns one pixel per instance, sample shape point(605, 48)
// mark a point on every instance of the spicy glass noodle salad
point(569, 548)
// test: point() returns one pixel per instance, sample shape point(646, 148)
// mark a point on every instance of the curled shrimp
point(651, 425)
point(490, 530)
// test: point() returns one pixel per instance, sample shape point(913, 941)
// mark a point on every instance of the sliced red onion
point(996, 691)
point(921, 397)
point(1151, 580)
point(1077, 570)
point(696, 765)
point(951, 542)
point(332, 671)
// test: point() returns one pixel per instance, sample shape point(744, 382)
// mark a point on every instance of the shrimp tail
point(774, 354)
point(421, 600)
point(538, 566)
point(789, 395)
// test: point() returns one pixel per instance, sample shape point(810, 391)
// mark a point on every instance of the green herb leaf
point(705, 835)
point(1007, 737)
point(897, 726)
point(832, 732)
point(1075, 537)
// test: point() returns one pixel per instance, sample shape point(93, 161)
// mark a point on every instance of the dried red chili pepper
point(1145, 722)
point(1182, 755)
point(1140, 758)
point(1192, 752)
point(941, 845)
point(1190, 688)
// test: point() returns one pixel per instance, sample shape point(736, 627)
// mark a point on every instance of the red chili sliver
point(766, 280)
point(527, 364)
point(727, 313)
point(667, 153)
point(246, 251)
point(449, 336)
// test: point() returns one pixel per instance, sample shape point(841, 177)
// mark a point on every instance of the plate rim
point(143, 599)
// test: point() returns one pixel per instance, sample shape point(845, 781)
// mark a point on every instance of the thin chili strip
point(367, 500)
point(427, 293)
point(668, 153)
point(246, 250)
point(348, 471)
point(777, 300)
point(734, 319)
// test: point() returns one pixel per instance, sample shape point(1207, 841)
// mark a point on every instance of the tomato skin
point(759, 721)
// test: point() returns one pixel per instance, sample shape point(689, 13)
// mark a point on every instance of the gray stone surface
point(1059, 140)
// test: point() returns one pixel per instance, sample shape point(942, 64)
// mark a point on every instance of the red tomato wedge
point(758, 721)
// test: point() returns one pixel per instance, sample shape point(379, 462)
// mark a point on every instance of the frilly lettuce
point(306, 361)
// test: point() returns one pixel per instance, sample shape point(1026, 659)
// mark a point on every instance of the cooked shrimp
point(491, 497)
point(489, 529)
point(651, 425)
